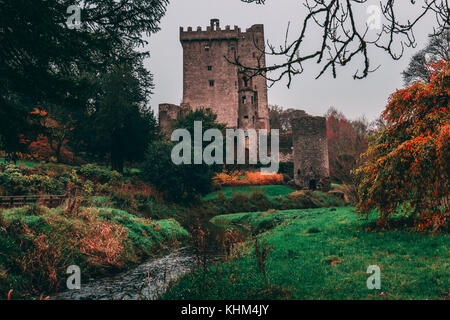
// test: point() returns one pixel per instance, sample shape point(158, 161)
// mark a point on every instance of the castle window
point(211, 83)
point(245, 117)
point(245, 82)
point(209, 68)
point(207, 47)
point(253, 100)
point(232, 47)
point(244, 98)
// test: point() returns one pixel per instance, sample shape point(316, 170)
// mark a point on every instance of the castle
point(211, 82)
point(239, 101)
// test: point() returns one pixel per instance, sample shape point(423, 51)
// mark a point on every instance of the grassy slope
point(413, 265)
point(66, 238)
point(271, 191)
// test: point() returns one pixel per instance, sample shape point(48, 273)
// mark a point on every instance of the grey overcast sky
point(353, 97)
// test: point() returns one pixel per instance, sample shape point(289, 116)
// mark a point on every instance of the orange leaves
point(39, 112)
point(232, 178)
point(45, 258)
point(104, 243)
point(408, 162)
point(436, 67)
point(237, 178)
point(257, 178)
point(52, 140)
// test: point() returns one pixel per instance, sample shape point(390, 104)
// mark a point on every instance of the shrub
point(258, 178)
point(248, 178)
point(94, 172)
point(115, 178)
point(178, 182)
point(88, 188)
point(14, 182)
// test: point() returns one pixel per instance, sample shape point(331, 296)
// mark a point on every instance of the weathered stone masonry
point(211, 82)
point(311, 166)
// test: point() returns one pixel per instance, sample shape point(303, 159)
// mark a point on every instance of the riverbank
point(322, 254)
point(37, 245)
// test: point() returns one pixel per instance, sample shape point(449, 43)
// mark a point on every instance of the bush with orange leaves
point(248, 178)
point(105, 244)
point(407, 164)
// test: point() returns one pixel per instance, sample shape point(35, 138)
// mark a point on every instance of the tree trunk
point(58, 153)
point(116, 160)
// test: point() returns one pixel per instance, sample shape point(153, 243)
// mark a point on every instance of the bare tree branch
point(343, 39)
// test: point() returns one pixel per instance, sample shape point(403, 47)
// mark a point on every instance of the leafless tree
point(343, 39)
point(438, 48)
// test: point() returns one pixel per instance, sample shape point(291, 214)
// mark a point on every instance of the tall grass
point(38, 244)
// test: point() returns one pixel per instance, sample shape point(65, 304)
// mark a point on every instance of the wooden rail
point(17, 201)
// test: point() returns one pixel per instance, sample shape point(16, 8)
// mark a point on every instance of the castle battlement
point(215, 32)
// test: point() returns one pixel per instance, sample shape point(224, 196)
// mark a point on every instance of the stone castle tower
point(311, 166)
point(212, 82)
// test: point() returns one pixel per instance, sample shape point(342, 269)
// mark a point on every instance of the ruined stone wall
point(167, 114)
point(311, 166)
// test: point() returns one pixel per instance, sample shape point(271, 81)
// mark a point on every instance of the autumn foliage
point(248, 178)
point(52, 141)
point(346, 142)
point(407, 167)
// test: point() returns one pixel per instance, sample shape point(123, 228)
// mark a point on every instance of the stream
point(146, 281)
point(151, 279)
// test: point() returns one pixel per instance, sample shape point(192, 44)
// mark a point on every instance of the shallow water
point(151, 279)
point(146, 281)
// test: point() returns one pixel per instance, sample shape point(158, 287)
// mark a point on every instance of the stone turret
point(311, 166)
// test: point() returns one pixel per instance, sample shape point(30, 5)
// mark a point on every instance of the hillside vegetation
point(38, 244)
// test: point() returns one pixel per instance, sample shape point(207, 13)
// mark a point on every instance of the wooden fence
point(18, 201)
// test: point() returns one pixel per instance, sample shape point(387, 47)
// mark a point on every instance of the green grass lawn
point(271, 191)
point(324, 254)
